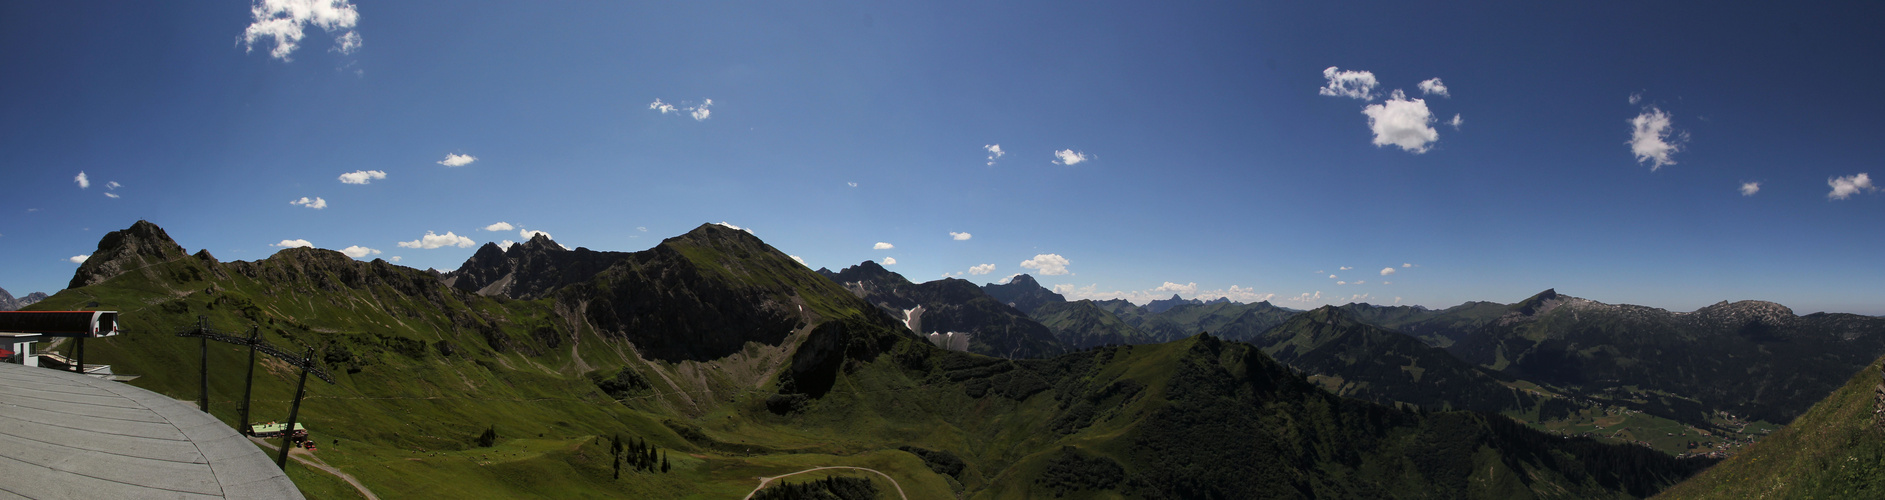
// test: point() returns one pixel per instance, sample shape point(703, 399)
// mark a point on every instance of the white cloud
point(700, 113)
point(994, 151)
point(1010, 278)
point(1356, 84)
point(1236, 294)
point(882, 246)
point(113, 185)
point(1749, 188)
point(1049, 264)
point(637, 228)
point(1306, 297)
point(1385, 271)
point(1361, 282)
point(799, 260)
point(1397, 300)
point(960, 236)
point(357, 251)
point(506, 244)
point(1847, 186)
point(84, 182)
point(317, 203)
point(282, 21)
point(1344, 268)
point(890, 261)
point(111, 195)
point(457, 160)
point(361, 176)
point(1405, 264)
point(78, 259)
point(1387, 282)
point(1331, 276)
point(500, 226)
point(852, 184)
point(1456, 121)
point(433, 240)
point(394, 258)
point(1402, 122)
point(1069, 157)
point(1636, 98)
point(296, 243)
point(1653, 140)
point(730, 226)
point(1435, 87)
point(982, 269)
point(1341, 282)
point(1170, 287)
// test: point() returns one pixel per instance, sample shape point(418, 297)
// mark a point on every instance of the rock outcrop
point(139, 246)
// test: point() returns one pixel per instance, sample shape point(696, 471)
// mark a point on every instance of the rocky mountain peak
point(140, 245)
point(1023, 293)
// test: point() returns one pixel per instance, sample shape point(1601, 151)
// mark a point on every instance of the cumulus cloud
point(890, 261)
point(1010, 278)
point(1068, 157)
point(1435, 87)
point(296, 243)
point(1331, 276)
point(111, 195)
point(1653, 139)
point(500, 226)
point(1636, 98)
point(317, 203)
point(733, 227)
point(457, 160)
point(361, 176)
point(1049, 264)
point(1344, 268)
point(1402, 122)
point(801, 262)
point(1749, 188)
point(78, 259)
point(282, 22)
point(1185, 289)
point(1093, 292)
point(1356, 84)
point(959, 236)
point(882, 246)
point(982, 269)
point(1405, 264)
point(994, 151)
point(1385, 271)
point(527, 234)
point(1341, 282)
point(1306, 297)
point(1844, 187)
point(357, 251)
point(852, 184)
point(1456, 121)
point(700, 112)
point(433, 240)
point(506, 244)
point(84, 182)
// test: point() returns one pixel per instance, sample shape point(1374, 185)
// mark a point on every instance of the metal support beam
point(294, 410)
point(80, 357)
point(202, 395)
point(248, 383)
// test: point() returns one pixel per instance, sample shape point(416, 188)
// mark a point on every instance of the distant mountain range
point(740, 360)
point(9, 303)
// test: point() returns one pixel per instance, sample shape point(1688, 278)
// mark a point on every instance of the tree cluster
point(829, 488)
point(639, 455)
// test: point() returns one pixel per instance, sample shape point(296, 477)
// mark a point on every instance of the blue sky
point(1209, 156)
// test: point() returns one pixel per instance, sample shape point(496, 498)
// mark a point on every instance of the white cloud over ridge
point(433, 240)
point(457, 160)
point(528, 235)
point(295, 243)
point(1069, 157)
point(317, 203)
point(982, 269)
point(1653, 139)
point(361, 176)
point(733, 227)
point(500, 226)
point(1402, 122)
point(1749, 188)
point(1845, 187)
point(882, 246)
point(282, 22)
point(78, 259)
point(1190, 291)
point(358, 251)
point(1356, 84)
point(801, 261)
point(1435, 87)
point(1049, 264)
point(960, 236)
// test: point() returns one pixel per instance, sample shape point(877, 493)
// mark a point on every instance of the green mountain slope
point(1834, 450)
point(1438, 328)
point(1081, 324)
point(1368, 362)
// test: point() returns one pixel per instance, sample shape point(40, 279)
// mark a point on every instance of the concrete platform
point(65, 435)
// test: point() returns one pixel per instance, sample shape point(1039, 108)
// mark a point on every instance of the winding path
point(767, 480)
point(317, 463)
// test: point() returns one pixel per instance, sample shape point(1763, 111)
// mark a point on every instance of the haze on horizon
point(1304, 154)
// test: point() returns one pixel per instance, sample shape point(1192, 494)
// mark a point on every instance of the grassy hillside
point(1834, 450)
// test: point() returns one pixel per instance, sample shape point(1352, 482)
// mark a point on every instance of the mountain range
point(746, 363)
point(10, 303)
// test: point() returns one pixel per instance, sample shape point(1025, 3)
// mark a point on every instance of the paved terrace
point(65, 435)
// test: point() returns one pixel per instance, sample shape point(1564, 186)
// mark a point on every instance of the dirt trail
point(768, 480)
point(315, 462)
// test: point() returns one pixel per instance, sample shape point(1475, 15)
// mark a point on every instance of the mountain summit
point(139, 246)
